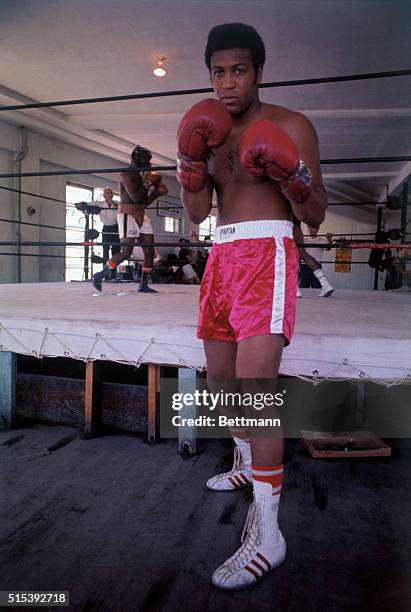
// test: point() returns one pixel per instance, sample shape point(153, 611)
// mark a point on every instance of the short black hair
point(183, 255)
point(235, 36)
point(141, 156)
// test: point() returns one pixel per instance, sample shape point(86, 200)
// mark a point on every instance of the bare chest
point(224, 164)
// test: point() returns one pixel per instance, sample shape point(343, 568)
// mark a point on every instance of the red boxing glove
point(152, 177)
point(161, 190)
point(151, 180)
point(191, 175)
point(266, 148)
point(207, 125)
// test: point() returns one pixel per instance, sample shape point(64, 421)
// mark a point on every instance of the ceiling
point(79, 49)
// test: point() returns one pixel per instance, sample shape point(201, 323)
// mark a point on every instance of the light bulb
point(159, 70)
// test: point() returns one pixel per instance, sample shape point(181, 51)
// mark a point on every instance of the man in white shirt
point(107, 211)
point(311, 272)
point(189, 275)
point(108, 217)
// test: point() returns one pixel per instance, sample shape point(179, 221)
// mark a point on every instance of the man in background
point(139, 187)
point(311, 272)
point(108, 217)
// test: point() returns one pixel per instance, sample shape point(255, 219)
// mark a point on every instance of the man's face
point(234, 79)
point(108, 195)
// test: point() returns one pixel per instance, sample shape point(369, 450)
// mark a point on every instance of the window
point(207, 227)
point(171, 225)
point(75, 226)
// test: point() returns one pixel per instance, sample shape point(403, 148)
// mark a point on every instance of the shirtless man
point(250, 153)
point(137, 191)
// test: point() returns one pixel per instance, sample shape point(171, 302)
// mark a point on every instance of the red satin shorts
point(250, 282)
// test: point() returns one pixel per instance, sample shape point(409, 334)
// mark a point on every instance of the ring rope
point(342, 160)
point(184, 92)
point(333, 245)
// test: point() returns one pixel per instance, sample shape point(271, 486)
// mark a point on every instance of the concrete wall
point(45, 154)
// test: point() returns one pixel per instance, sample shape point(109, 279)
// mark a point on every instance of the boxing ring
point(357, 335)
point(349, 335)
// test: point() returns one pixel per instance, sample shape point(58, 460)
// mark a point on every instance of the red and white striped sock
point(269, 475)
point(110, 264)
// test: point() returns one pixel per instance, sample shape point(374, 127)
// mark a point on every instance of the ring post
point(187, 435)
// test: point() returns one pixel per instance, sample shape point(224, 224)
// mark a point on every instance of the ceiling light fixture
point(159, 70)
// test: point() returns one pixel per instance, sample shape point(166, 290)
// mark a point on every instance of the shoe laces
point(250, 530)
point(250, 538)
point(237, 465)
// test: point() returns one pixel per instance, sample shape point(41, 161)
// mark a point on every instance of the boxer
point(138, 189)
point(263, 162)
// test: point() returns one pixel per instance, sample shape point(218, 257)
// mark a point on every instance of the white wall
point(8, 231)
point(355, 219)
point(47, 154)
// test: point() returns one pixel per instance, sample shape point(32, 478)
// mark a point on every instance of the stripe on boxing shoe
point(262, 570)
point(253, 572)
point(235, 482)
point(264, 560)
point(258, 566)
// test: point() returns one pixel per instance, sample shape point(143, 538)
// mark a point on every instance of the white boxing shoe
point(327, 290)
point(298, 294)
point(239, 476)
point(326, 287)
point(263, 548)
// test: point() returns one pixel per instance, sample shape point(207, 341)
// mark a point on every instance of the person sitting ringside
point(189, 275)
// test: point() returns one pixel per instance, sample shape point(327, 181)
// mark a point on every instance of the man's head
point(186, 254)
point(190, 255)
point(235, 36)
point(140, 157)
point(394, 234)
point(235, 56)
point(108, 194)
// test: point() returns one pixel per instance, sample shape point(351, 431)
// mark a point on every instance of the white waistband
point(265, 228)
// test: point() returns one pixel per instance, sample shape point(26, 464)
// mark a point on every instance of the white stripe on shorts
point(127, 226)
point(277, 316)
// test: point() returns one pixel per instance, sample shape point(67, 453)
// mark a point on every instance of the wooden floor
point(128, 526)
